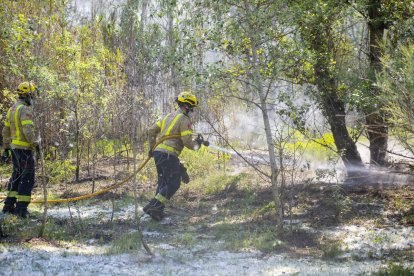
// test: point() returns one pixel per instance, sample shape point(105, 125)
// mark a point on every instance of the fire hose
point(111, 187)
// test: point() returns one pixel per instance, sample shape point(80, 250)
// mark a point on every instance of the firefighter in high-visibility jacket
point(19, 140)
point(169, 168)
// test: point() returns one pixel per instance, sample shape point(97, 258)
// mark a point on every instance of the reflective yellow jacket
point(19, 131)
point(175, 123)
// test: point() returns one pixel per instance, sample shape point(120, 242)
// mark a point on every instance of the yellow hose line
point(113, 186)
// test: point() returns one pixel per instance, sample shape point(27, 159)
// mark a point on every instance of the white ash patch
point(104, 210)
point(364, 241)
point(202, 258)
point(173, 261)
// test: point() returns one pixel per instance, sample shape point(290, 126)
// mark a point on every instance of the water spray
point(231, 152)
point(234, 153)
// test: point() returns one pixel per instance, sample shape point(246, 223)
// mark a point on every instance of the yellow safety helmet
point(187, 97)
point(26, 89)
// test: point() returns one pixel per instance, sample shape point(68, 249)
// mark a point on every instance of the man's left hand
point(5, 156)
point(38, 152)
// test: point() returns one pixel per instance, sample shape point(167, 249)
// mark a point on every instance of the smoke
point(246, 128)
point(90, 8)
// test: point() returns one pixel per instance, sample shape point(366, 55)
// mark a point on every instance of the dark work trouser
point(22, 180)
point(169, 176)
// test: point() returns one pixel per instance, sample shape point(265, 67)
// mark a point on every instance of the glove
point(5, 156)
point(185, 178)
point(200, 141)
point(37, 152)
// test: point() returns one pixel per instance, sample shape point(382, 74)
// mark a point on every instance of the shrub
point(331, 250)
point(217, 182)
point(394, 270)
point(59, 171)
point(201, 162)
point(126, 243)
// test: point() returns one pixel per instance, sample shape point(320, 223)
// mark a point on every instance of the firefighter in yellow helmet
point(170, 170)
point(20, 140)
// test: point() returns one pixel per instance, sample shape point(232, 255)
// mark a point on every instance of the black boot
point(21, 209)
point(9, 205)
point(9, 209)
point(155, 209)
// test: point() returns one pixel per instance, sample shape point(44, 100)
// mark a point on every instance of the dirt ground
point(330, 228)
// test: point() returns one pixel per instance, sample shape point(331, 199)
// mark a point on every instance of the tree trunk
point(330, 102)
point(269, 139)
point(44, 186)
point(77, 137)
point(141, 88)
point(273, 165)
point(375, 120)
point(334, 110)
point(172, 46)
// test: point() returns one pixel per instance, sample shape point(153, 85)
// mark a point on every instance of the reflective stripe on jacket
point(175, 123)
point(18, 131)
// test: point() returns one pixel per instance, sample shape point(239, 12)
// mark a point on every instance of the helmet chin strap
point(186, 108)
point(28, 100)
point(189, 109)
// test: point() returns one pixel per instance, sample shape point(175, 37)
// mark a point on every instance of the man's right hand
point(5, 156)
point(200, 141)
